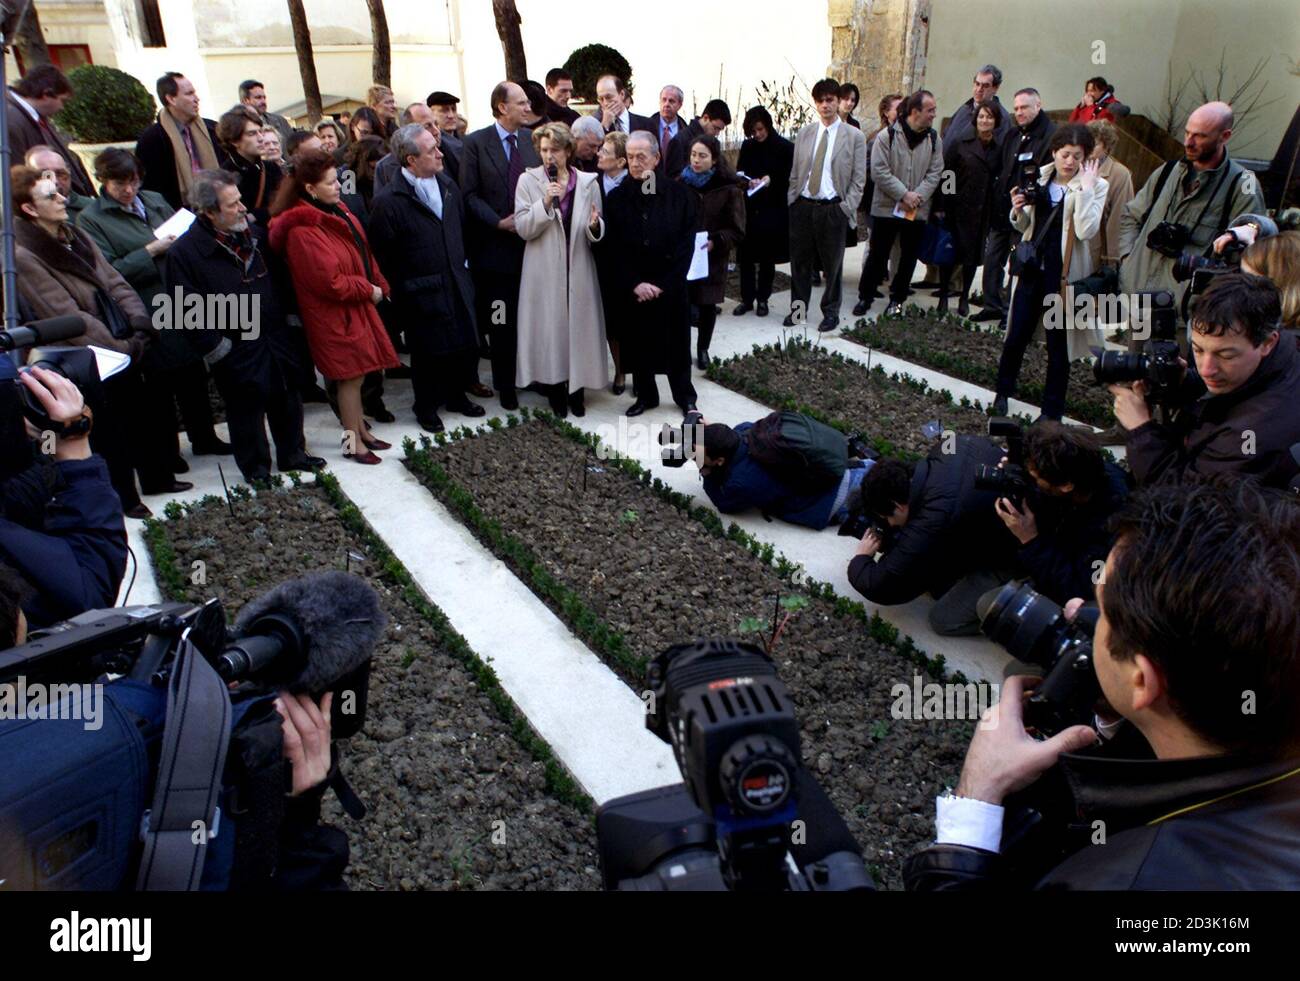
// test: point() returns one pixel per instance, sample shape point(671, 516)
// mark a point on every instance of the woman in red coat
point(338, 284)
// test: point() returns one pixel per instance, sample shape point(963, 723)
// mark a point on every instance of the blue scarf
point(696, 181)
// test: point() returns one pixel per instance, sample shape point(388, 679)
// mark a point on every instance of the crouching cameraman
point(1060, 522)
point(936, 532)
point(61, 527)
point(1195, 652)
point(1237, 413)
point(786, 465)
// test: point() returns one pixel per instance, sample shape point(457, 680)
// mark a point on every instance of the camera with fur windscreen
point(732, 824)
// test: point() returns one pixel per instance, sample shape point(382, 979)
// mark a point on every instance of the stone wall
point(879, 45)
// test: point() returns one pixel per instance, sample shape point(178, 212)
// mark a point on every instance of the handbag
point(937, 247)
point(1027, 257)
point(111, 314)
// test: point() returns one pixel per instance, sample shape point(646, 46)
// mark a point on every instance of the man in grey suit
point(826, 184)
point(36, 97)
point(495, 157)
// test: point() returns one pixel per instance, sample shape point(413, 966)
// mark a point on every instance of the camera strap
point(195, 737)
point(1208, 200)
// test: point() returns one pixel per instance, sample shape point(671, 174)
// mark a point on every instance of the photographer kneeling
point(1194, 650)
point(61, 525)
point(752, 466)
point(1237, 413)
point(1061, 524)
point(938, 533)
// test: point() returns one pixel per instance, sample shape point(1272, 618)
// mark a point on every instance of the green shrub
point(591, 61)
point(107, 106)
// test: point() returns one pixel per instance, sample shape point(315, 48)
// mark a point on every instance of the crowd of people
point(558, 245)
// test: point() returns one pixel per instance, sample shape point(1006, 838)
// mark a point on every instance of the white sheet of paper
point(109, 362)
point(700, 261)
point(178, 224)
point(762, 184)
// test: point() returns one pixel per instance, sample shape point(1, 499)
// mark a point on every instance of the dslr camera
point(1157, 364)
point(732, 726)
point(1011, 480)
point(679, 442)
point(1034, 629)
point(1026, 173)
point(1169, 238)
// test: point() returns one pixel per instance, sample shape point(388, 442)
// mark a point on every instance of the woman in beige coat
point(561, 320)
point(1057, 221)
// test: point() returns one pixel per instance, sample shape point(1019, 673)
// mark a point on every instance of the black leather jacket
point(1205, 823)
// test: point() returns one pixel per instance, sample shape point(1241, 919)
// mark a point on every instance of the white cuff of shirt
point(969, 822)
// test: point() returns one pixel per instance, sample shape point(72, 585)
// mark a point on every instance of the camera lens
point(1027, 624)
point(1119, 366)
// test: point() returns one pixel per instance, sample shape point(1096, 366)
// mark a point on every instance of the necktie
point(188, 139)
point(618, 124)
point(516, 168)
point(819, 161)
point(50, 138)
point(665, 137)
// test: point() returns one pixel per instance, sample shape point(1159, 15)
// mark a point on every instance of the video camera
point(17, 403)
point(732, 726)
point(1010, 480)
point(679, 442)
point(73, 800)
point(1034, 629)
point(1158, 364)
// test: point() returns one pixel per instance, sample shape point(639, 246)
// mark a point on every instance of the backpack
point(803, 453)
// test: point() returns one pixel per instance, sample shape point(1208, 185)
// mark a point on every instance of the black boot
point(702, 347)
point(943, 303)
point(578, 403)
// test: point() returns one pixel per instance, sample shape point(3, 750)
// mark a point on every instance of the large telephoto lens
point(1110, 367)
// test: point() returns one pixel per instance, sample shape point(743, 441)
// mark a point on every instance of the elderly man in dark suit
point(495, 157)
point(388, 166)
point(416, 231)
point(180, 144)
point(36, 97)
point(614, 115)
point(646, 253)
point(443, 105)
point(826, 185)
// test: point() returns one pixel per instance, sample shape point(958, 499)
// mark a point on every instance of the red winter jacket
point(1099, 110)
point(344, 331)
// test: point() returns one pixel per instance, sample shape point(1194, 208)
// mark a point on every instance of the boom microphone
point(306, 634)
point(42, 332)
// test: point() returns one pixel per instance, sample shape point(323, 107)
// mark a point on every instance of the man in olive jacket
point(1202, 193)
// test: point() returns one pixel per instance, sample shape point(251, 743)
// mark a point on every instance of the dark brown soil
point(964, 350)
point(780, 284)
point(436, 764)
point(901, 416)
point(657, 577)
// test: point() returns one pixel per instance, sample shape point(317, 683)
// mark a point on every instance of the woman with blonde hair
point(561, 343)
point(1277, 258)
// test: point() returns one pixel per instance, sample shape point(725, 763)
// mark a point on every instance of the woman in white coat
point(1057, 222)
point(561, 319)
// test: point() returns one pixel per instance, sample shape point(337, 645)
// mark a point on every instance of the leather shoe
point(175, 487)
point(789, 321)
point(999, 406)
point(305, 462)
point(433, 425)
point(366, 457)
point(762, 310)
point(468, 408)
point(138, 511)
point(860, 308)
point(828, 323)
point(479, 390)
point(742, 309)
point(509, 401)
point(381, 414)
point(217, 447)
point(617, 389)
point(987, 314)
point(180, 466)
point(637, 407)
point(689, 408)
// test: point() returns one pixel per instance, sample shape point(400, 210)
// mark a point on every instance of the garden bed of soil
point(964, 350)
point(900, 415)
point(444, 753)
point(633, 567)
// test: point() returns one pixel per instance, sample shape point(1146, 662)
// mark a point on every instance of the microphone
point(552, 171)
point(307, 633)
point(42, 332)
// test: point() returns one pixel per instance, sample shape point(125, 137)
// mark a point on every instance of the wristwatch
point(78, 428)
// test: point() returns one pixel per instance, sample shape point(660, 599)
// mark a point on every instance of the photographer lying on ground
point(786, 465)
point(1237, 412)
point(1194, 649)
point(61, 527)
point(941, 534)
